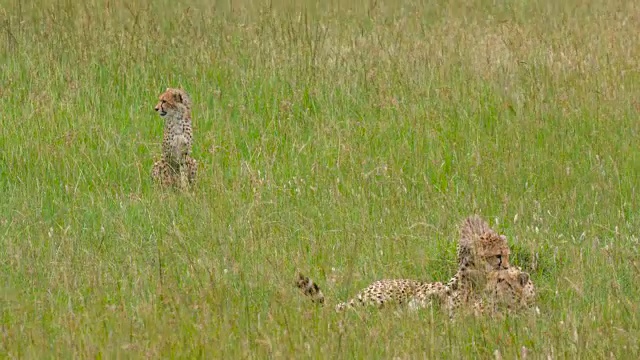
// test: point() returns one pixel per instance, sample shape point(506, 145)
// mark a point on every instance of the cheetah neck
point(176, 124)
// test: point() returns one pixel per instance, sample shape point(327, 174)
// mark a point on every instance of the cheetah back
point(381, 293)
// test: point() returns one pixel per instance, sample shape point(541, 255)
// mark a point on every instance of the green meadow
point(343, 139)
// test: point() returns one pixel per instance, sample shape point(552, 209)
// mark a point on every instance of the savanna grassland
point(343, 139)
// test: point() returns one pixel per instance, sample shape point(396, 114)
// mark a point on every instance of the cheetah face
point(494, 251)
point(497, 262)
point(172, 102)
point(512, 287)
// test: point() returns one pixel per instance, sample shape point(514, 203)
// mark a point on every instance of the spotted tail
point(310, 289)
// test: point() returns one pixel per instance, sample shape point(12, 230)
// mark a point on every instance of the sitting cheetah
point(480, 249)
point(176, 166)
point(483, 256)
point(508, 289)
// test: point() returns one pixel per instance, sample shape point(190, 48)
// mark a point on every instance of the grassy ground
point(345, 140)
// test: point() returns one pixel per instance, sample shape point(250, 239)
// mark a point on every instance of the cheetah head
point(173, 102)
point(481, 248)
point(493, 251)
point(510, 287)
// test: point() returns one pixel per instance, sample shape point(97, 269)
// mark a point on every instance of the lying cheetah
point(176, 166)
point(483, 257)
point(509, 289)
point(380, 293)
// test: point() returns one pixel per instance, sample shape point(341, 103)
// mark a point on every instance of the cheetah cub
point(480, 250)
point(508, 289)
point(484, 281)
point(176, 167)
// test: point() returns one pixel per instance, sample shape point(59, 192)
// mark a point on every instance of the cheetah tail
point(309, 288)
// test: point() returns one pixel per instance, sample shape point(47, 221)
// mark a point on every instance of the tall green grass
point(344, 139)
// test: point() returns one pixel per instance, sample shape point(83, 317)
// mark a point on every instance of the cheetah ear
point(178, 97)
point(523, 278)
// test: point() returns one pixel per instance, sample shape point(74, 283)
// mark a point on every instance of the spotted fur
point(507, 289)
point(480, 249)
point(484, 276)
point(176, 167)
point(510, 289)
point(379, 294)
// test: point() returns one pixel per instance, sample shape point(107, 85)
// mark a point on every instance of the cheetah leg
point(183, 181)
point(344, 305)
point(159, 173)
point(163, 174)
point(187, 172)
point(192, 170)
point(478, 307)
point(361, 299)
point(156, 171)
point(350, 304)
